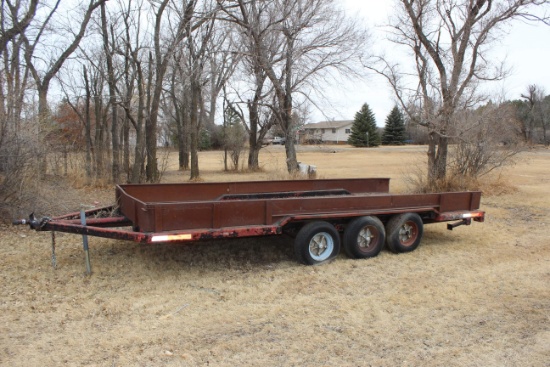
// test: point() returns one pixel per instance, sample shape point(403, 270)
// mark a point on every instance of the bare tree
point(223, 58)
point(44, 61)
point(109, 50)
point(12, 24)
point(448, 42)
point(538, 113)
point(134, 89)
point(14, 75)
point(296, 43)
point(256, 97)
point(127, 67)
point(545, 119)
point(14, 86)
point(182, 26)
point(199, 33)
point(478, 150)
point(234, 136)
point(80, 103)
point(43, 78)
point(176, 106)
point(17, 137)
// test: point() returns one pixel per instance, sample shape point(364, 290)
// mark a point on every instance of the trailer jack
point(40, 224)
point(463, 222)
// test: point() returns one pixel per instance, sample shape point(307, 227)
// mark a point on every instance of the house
point(326, 132)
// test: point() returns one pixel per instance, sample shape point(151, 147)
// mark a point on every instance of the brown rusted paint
point(233, 232)
point(101, 228)
point(284, 194)
point(99, 222)
point(207, 191)
point(173, 207)
point(168, 207)
point(98, 231)
point(201, 211)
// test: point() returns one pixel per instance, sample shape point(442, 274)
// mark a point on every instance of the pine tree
point(363, 131)
point(394, 131)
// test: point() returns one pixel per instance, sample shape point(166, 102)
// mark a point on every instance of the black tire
point(404, 232)
point(317, 243)
point(364, 237)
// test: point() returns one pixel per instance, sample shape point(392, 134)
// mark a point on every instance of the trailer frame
point(161, 213)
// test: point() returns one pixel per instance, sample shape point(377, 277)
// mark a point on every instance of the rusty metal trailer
point(359, 215)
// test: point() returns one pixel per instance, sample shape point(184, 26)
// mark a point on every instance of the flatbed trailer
point(359, 215)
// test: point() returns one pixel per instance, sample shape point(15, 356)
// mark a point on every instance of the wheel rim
point(408, 233)
point(367, 238)
point(321, 246)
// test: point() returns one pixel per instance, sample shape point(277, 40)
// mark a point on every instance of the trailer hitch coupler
point(33, 222)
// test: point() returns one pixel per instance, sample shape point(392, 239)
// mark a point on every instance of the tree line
point(134, 71)
point(527, 119)
point(130, 75)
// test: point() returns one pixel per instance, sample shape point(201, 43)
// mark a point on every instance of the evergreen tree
point(363, 131)
point(394, 131)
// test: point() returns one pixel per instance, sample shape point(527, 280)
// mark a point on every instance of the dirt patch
point(476, 296)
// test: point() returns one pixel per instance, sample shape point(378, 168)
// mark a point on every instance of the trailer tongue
point(315, 211)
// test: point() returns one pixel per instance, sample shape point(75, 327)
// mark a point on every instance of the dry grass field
point(476, 296)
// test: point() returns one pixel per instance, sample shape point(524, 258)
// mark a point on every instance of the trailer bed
point(316, 212)
point(177, 207)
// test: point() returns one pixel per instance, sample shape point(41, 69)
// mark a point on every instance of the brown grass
point(476, 296)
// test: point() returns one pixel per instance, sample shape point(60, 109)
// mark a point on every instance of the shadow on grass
point(243, 255)
point(233, 254)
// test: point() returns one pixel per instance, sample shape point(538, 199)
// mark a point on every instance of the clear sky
point(526, 50)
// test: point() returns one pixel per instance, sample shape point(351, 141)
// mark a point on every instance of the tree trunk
point(139, 158)
point(182, 133)
point(87, 128)
point(288, 128)
point(43, 127)
point(194, 137)
point(195, 124)
point(254, 157)
point(111, 80)
point(185, 149)
point(438, 148)
point(139, 150)
point(290, 149)
point(99, 136)
point(126, 147)
point(179, 131)
point(151, 170)
point(254, 147)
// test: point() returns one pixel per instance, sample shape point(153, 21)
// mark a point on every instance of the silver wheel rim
point(407, 234)
point(321, 246)
point(364, 238)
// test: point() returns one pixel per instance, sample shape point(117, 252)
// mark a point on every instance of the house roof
point(328, 124)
